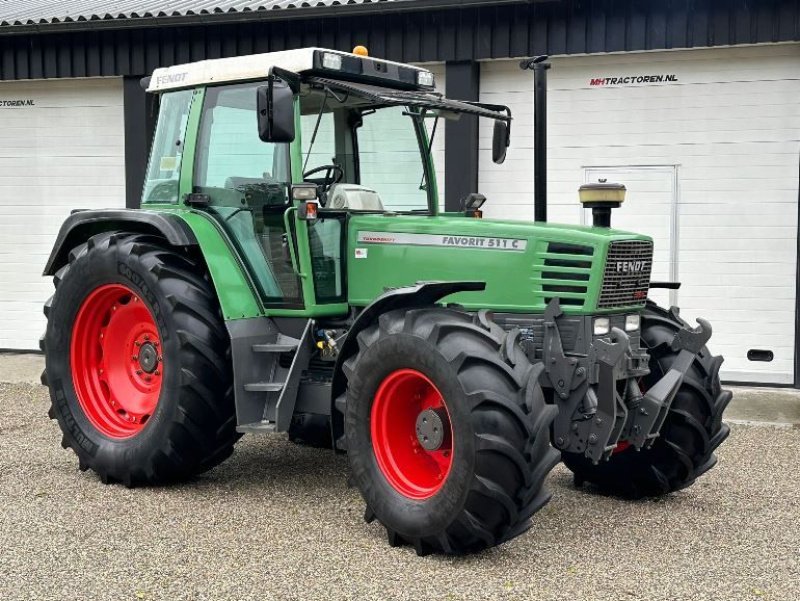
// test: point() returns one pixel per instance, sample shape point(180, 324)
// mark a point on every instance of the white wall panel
point(64, 152)
point(731, 128)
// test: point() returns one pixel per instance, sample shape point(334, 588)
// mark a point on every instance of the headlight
point(632, 322)
point(425, 78)
point(332, 61)
point(602, 326)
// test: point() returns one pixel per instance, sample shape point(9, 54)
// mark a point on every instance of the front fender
point(423, 294)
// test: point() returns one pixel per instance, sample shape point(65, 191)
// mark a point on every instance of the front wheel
point(137, 362)
point(447, 430)
point(691, 432)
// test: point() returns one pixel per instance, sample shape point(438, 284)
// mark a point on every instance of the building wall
point(710, 157)
point(61, 151)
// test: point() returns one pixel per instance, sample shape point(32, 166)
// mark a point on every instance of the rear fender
point(181, 228)
point(82, 225)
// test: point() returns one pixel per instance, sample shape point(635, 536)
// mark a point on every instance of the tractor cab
point(284, 161)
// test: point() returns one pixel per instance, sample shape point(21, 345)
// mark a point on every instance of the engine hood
point(524, 264)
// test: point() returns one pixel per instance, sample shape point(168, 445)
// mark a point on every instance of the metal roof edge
point(246, 16)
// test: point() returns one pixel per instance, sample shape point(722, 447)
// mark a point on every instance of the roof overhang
point(301, 61)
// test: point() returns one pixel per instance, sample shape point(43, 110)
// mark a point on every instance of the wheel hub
point(148, 357)
point(431, 426)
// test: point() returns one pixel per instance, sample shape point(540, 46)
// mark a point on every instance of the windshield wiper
point(328, 92)
point(316, 128)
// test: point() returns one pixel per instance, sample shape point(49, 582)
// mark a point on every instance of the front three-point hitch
point(599, 393)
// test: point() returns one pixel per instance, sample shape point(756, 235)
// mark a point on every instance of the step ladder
point(267, 391)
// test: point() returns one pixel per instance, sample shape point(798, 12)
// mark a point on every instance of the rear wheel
point(137, 362)
point(691, 432)
point(447, 430)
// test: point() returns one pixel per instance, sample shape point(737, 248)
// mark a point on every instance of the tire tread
point(204, 433)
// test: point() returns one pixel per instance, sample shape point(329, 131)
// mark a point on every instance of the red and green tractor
point(290, 270)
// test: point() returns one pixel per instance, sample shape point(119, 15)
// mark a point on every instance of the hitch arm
point(612, 413)
point(657, 400)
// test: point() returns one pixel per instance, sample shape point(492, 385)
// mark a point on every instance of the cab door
point(246, 186)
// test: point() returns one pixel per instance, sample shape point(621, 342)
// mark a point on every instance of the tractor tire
point(691, 432)
point(447, 430)
point(138, 362)
point(311, 430)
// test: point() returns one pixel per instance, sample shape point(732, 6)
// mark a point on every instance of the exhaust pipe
point(539, 66)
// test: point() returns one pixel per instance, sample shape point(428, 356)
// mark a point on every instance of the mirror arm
point(290, 77)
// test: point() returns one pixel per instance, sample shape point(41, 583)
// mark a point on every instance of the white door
point(650, 208)
point(61, 148)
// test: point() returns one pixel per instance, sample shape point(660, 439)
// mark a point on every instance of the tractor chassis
point(595, 380)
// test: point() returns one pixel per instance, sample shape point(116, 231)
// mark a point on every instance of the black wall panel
point(452, 34)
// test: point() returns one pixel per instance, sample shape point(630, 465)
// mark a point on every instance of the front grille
point(627, 275)
point(567, 268)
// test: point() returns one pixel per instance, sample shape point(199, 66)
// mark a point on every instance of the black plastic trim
point(418, 31)
point(79, 226)
point(421, 295)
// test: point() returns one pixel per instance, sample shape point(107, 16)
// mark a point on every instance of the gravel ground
point(277, 522)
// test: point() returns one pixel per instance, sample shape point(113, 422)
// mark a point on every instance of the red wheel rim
point(411, 469)
point(622, 445)
point(115, 359)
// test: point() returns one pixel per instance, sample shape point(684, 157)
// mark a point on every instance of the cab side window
point(233, 163)
point(323, 151)
point(164, 171)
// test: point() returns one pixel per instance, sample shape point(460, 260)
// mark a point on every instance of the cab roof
point(303, 61)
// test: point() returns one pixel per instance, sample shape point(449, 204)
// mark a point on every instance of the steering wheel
point(333, 175)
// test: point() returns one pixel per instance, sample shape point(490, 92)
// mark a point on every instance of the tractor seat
point(234, 183)
point(259, 191)
point(353, 197)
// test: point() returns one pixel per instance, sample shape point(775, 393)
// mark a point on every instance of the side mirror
point(500, 141)
point(275, 107)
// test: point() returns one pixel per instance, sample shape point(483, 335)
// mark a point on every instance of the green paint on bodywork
point(190, 142)
point(235, 290)
point(514, 279)
point(296, 147)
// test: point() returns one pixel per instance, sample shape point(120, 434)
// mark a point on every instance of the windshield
point(365, 157)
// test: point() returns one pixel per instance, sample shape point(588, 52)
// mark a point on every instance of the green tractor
point(290, 270)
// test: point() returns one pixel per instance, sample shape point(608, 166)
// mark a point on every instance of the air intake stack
point(601, 197)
